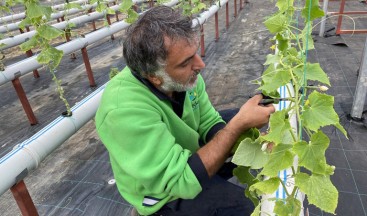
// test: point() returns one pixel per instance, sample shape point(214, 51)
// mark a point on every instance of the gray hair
point(144, 48)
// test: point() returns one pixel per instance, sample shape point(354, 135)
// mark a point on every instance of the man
point(165, 139)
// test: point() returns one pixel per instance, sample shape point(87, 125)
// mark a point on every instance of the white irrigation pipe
point(15, 26)
point(19, 16)
point(209, 13)
point(18, 39)
point(29, 154)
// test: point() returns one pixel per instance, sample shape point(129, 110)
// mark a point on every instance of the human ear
point(155, 80)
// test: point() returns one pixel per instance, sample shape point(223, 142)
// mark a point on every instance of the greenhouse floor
point(76, 178)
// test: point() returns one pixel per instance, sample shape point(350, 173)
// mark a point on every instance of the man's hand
point(252, 114)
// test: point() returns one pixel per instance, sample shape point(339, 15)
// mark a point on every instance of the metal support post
point(322, 25)
point(109, 23)
point(227, 15)
point(24, 101)
point(361, 89)
point(23, 199)
point(93, 22)
point(29, 53)
point(235, 8)
point(340, 18)
point(202, 41)
point(67, 36)
point(216, 27)
point(92, 83)
point(116, 13)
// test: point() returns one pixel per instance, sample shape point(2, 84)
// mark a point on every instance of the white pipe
point(15, 26)
point(22, 15)
point(27, 65)
point(16, 40)
point(323, 21)
point(32, 151)
point(209, 13)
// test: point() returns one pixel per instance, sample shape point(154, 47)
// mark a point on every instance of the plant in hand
point(309, 104)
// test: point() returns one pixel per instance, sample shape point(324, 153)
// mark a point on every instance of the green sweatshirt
point(152, 140)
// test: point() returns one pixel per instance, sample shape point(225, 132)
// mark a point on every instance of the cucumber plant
point(258, 165)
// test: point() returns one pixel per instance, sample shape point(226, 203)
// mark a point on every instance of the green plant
point(113, 72)
point(312, 108)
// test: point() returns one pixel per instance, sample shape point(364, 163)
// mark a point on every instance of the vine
point(309, 104)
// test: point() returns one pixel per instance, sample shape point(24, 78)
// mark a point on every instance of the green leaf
point(101, 8)
point(306, 38)
point(312, 10)
point(341, 128)
point(280, 158)
point(282, 42)
point(256, 211)
point(252, 133)
point(290, 207)
point(276, 23)
point(319, 111)
point(47, 11)
point(30, 44)
point(72, 5)
point(126, 5)
point(24, 23)
point(49, 32)
point(266, 187)
point(245, 177)
point(313, 72)
point(320, 191)
point(50, 55)
point(273, 78)
point(279, 128)
point(284, 5)
point(272, 59)
point(34, 10)
point(312, 155)
point(249, 153)
point(110, 11)
point(132, 16)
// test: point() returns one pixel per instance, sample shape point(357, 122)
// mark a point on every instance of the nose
point(198, 62)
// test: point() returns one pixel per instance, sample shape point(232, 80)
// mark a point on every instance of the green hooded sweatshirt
point(152, 139)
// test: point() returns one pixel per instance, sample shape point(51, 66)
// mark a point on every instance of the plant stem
point(284, 187)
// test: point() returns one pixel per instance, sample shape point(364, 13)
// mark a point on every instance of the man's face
point(182, 66)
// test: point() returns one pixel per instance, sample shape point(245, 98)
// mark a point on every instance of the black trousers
point(218, 198)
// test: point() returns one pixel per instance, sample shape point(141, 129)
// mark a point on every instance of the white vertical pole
point(322, 25)
point(361, 89)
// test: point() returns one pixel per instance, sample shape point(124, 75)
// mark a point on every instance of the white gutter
point(203, 17)
point(18, 39)
point(15, 26)
point(29, 154)
point(22, 15)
